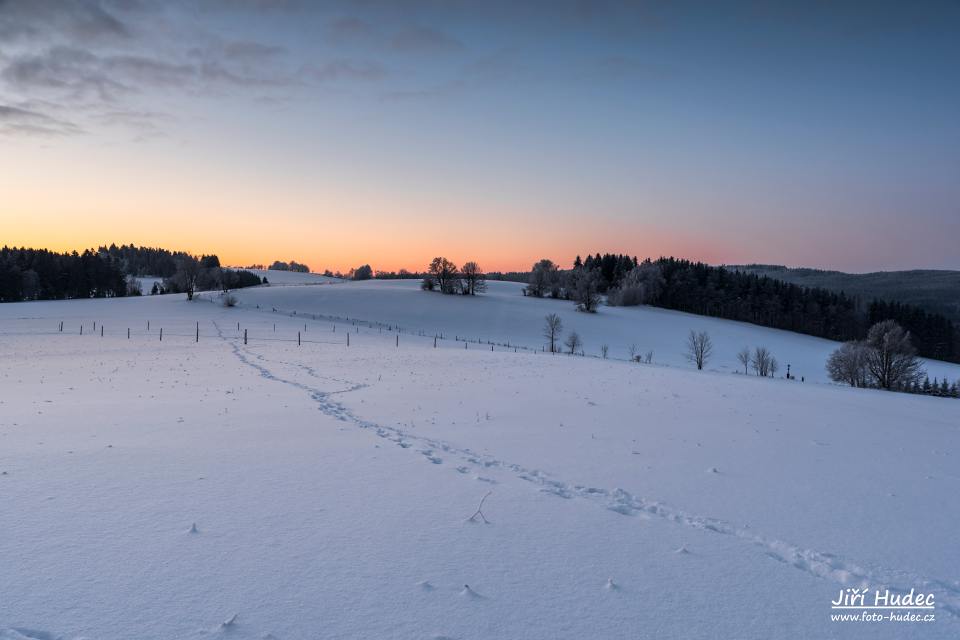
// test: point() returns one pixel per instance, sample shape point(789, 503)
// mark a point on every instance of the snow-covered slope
point(196, 489)
point(504, 315)
point(292, 277)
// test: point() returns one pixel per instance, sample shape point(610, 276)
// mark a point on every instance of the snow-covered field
point(292, 277)
point(503, 315)
point(205, 489)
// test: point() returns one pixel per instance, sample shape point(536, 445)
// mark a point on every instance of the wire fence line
point(340, 325)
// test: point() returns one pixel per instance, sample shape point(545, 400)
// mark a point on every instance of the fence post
point(398, 340)
point(148, 325)
point(434, 342)
point(298, 338)
point(81, 329)
point(161, 334)
point(348, 338)
point(244, 336)
point(128, 333)
point(198, 331)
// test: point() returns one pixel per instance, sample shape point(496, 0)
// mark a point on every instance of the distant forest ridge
point(109, 272)
point(721, 292)
point(936, 291)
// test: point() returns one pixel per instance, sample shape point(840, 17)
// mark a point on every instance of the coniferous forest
point(702, 289)
point(108, 272)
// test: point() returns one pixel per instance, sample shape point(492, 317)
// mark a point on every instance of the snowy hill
point(504, 315)
point(202, 486)
point(274, 276)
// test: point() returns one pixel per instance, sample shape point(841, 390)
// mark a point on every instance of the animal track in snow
point(816, 563)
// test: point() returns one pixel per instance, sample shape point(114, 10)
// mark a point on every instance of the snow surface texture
point(184, 489)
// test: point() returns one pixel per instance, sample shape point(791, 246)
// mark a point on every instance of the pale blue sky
point(816, 134)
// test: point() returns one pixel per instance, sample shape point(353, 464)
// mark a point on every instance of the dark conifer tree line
point(702, 289)
point(40, 274)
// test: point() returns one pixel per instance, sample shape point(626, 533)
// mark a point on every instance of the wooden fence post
point(244, 335)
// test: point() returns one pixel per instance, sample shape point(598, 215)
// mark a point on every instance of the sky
point(821, 134)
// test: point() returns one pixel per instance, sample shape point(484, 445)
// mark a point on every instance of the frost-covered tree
point(699, 348)
point(640, 285)
point(552, 327)
point(891, 359)
point(848, 364)
point(584, 290)
point(761, 361)
point(543, 275)
point(573, 342)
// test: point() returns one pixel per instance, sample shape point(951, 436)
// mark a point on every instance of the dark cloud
point(86, 19)
point(424, 40)
point(70, 72)
point(16, 120)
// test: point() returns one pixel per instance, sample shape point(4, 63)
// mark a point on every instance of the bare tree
point(744, 357)
point(634, 352)
point(849, 364)
point(774, 366)
point(648, 358)
point(699, 348)
point(552, 326)
point(604, 350)
point(444, 273)
point(474, 280)
point(573, 342)
point(891, 359)
point(761, 361)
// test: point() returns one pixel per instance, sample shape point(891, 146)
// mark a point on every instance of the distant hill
point(933, 290)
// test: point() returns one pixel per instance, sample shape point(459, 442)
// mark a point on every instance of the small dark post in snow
point(398, 340)
point(274, 327)
point(304, 326)
point(788, 371)
point(244, 336)
point(101, 331)
point(161, 334)
point(434, 342)
point(148, 325)
point(238, 327)
point(298, 338)
point(198, 331)
point(491, 347)
point(128, 333)
point(348, 338)
point(94, 326)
